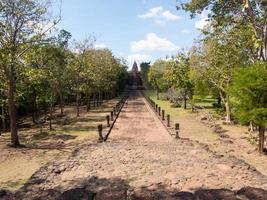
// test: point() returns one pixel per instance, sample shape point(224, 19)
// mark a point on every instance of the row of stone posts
point(111, 118)
point(163, 116)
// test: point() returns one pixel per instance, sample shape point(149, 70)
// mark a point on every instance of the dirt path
point(138, 122)
point(142, 161)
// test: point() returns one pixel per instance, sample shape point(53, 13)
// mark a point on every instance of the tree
point(145, 66)
point(156, 76)
point(231, 13)
point(62, 43)
point(3, 90)
point(216, 59)
point(178, 76)
point(82, 48)
point(20, 22)
point(249, 91)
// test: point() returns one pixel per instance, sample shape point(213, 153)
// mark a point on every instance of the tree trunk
point(77, 103)
point(34, 108)
point(226, 100)
point(3, 118)
point(12, 106)
point(61, 102)
point(185, 100)
point(261, 138)
point(88, 102)
point(157, 90)
point(51, 115)
point(228, 110)
point(251, 126)
point(97, 99)
point(219, 101)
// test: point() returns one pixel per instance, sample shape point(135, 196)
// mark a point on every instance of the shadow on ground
point(96, 188)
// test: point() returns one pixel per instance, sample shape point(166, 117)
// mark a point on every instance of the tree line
point(228, 62)
point(41, 68)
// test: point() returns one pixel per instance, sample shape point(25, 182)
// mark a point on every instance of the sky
point(136, 30)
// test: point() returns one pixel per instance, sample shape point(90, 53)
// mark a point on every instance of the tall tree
point(217, 58)
point(145, 66)
point(249, 91)
point(156, 76)
point(82, 48)
point(231, 13)
point(20, 21)
point(178, 76)
point(63, 43)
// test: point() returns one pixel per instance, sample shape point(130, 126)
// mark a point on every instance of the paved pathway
point(138, 122)
point(142, 161)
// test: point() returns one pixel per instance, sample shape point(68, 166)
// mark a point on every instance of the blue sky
point(141, 30)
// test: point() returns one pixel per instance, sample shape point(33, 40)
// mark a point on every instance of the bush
point(163, 96)
point(216, 105)
point(176, 105)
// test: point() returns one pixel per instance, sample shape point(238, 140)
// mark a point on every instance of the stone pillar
point(100, 134)
point(177, 128)
point(108, 122)
point(168, 120)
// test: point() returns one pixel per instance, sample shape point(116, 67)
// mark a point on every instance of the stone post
point(177, 128)
point(114, 111)
point(168, 120)
point(100, 134)
point(163, 115)
point(108, 122)
point(111, 116)
point(159, 111)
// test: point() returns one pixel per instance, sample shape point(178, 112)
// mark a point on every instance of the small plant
point(176, 105)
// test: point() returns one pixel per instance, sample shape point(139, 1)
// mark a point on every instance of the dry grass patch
point(39, 148)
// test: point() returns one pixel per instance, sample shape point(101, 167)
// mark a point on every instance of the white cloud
point(153, 12)
point(203, 21)
point(153, 43)
point(170, 16)
point(158, 14)
point(185, 31)
point(100, 46)
point(138, 58)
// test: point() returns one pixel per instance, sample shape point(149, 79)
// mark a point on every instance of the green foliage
point(156, 75)
point(178, 73)
point(223, 15)
point(144, 72)
point(249, 91)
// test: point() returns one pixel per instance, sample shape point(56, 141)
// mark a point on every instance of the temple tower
point(134, 78)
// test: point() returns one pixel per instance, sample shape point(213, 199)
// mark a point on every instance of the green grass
point(206, 102)
point(166, 105)
point(195, 131)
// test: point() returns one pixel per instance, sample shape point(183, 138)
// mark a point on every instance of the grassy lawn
point(191, 128)
point(206, 102)
point(166, 105)
point(17, 165)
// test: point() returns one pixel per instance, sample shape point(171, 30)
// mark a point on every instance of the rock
point(77, 194)
point(223, 135)
point(222, 194)
point(253, 193)
point(203, 118)
point(60, 170)
point(2, 193)
point(184, 196)
point(112, 193)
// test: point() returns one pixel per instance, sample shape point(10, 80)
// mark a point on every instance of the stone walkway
point(142, 161)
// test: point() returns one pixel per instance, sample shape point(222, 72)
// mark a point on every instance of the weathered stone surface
point(253, 193)
point(142, 161)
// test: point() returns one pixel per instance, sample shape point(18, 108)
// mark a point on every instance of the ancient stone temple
point(134, 78)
